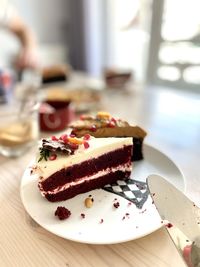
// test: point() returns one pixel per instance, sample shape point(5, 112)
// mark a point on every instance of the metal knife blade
point(182, 215)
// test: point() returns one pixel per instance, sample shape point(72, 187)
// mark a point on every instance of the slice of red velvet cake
point(68, 166)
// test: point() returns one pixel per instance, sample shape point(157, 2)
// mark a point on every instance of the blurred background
point(157, 40)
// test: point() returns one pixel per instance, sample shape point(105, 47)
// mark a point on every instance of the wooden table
point(172, 119)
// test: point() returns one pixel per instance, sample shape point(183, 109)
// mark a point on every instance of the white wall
point(94, 37)
point(49, 19)
point(127, 47)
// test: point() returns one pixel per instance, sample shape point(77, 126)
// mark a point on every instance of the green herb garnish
point(44, 154)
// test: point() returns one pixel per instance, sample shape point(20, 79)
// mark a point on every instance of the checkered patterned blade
point(134, 191)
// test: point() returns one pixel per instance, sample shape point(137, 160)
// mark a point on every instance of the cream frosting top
point(97, 147)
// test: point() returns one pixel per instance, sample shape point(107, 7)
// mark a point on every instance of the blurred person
point(12, 22)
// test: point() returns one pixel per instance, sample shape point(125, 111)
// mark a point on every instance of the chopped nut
point(89, 202)
point(75, 140)
point(103, 115)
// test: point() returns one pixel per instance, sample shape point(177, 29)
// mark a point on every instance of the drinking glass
point(19, 128)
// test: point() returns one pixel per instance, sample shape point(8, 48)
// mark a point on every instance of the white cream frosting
point(97, 147)
point(124, 168)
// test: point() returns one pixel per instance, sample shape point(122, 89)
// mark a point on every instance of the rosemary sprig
point(44, 154)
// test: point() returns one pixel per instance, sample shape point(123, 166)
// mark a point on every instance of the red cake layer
point(88, 186)
point(87, 168)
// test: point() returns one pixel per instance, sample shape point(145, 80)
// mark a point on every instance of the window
point(174, 54)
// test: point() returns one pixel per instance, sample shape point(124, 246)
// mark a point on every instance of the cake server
point(180, 216)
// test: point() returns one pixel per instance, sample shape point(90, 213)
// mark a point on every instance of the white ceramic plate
point(103, 223)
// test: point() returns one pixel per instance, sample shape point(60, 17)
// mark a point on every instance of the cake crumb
point(116, 205)
point(62, 213)
point(143, 211)
point(140, 187)
point(127, 215)
point(82, 215)
point(33, 169)
point(101, 221)
point(169, 225)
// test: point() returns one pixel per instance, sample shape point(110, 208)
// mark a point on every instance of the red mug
point(55, 115)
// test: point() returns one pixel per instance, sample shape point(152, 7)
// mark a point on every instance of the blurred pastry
point(115, 78)
point(55, 73)
point(104, 125)
point(83, 99)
